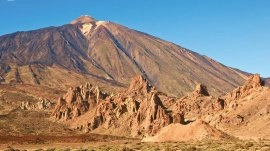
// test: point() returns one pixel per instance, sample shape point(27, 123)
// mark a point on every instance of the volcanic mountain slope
point(109, 55)
point(267, 82)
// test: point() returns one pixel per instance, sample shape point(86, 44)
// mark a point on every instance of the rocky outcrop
point(77, 101)
point(42, 104)
point(139, 84)
point(141, 110)
point(151, 116)
point(247, 107)
point(254, 82)
point(250, 88)
point(201, 90)
point(141, 103)
point(140, 106)
point(198, 103)
point(246, 111)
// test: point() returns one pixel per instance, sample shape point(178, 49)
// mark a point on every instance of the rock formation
point(252, 83)
point(201, 90)
point(198, 103)
point(246, 110)
point(141, 110)
point(42, 104)
point(242, 107)
point(141, 105)
point(151, 116)
point(77, 101)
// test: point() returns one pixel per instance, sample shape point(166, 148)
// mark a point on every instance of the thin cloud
point(11, 0)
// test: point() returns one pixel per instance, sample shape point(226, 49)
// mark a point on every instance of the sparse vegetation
point(170, 146)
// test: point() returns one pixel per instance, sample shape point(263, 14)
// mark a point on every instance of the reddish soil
point(45, 139)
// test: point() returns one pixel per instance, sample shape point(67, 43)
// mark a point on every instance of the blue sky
point(233, 32)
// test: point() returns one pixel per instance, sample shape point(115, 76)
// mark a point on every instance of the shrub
point(248, 145)
point(126, 149)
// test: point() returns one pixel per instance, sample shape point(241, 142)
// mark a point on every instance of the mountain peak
point(83, 19)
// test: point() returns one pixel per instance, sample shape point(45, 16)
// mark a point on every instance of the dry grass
point(135, 145)
point(17, 122)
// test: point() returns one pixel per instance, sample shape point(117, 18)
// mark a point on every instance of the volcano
point(109, 55)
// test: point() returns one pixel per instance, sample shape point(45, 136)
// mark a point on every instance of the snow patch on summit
point(86, 28)
point(98, 23)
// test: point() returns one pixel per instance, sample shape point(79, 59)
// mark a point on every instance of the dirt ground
point(34, 142)
point(112, 143)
